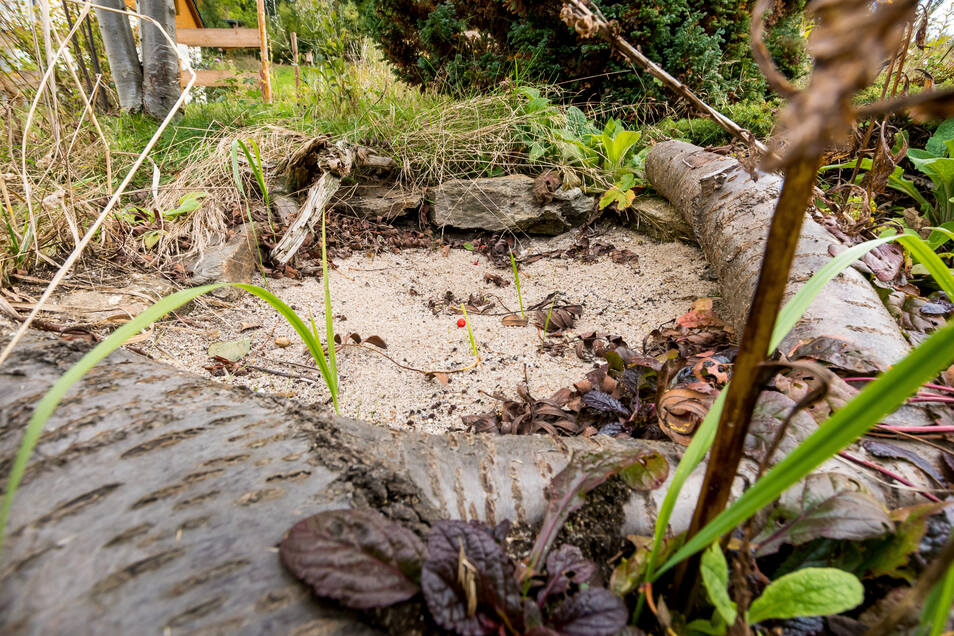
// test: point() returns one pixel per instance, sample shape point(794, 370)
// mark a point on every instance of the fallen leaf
point(377, 341)
point(231, 350)
point(701, 315)
point(245, 326)
point(443, 378)
point(282, 341)
point(513, 320)
point(681, 411)
point(495, 279)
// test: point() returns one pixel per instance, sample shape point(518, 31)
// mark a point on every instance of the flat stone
point(234, 261)
point(96, 305)
point(507, 203)
point(380, 202)
point(658, 218)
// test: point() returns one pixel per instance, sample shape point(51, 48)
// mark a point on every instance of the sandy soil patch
point(388, 296)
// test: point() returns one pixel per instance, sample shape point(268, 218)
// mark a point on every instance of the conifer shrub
point(466, 45)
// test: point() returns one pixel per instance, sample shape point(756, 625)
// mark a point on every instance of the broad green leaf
point(715, 577)
point(189, 203)
point(808, 592)
point(937, 145)
point(536, 151)
point(149, 239)
point(940, 235)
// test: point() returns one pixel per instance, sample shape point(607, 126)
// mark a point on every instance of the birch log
point(730, 214)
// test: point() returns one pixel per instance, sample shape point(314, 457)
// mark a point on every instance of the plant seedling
point(470, 334)
point(516, 280)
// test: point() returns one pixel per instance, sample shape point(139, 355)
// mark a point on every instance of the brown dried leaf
point(681, 411)
point(377, 341)
point(513, 320)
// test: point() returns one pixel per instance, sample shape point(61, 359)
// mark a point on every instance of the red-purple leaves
point(567, 491)
point(357, 557)
point(564, 566)
point(468, 581)
point(594, 611)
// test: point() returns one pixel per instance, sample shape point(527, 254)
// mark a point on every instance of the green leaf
point(188, 203)
point(469, 246)
point(536, 151)
point(937, 144)
point(149, 239)
point(715, 577)
point(808, 592)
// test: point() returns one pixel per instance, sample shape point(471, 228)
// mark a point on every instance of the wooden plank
point(220, 78)
point(221, 38)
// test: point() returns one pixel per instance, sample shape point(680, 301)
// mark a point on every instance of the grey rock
point(658, 218)
point(234, 261)
point(507, 203)
point(384, 202)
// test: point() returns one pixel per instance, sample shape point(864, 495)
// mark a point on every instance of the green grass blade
point(921, 251)
point(48, 403)
point(695, 452)
point(516, 280)
point(795, 308)
point(875, 401)
point(236, 174)
point(937, 607)
point(470, 334)
point(329, 317)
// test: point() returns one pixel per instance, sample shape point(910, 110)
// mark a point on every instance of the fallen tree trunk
point(156, 498)
point(730, 214)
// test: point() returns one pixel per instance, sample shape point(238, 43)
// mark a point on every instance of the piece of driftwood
point(319, 165)
point(155, 499)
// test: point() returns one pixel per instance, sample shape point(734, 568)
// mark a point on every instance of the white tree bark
point(160, 60)
point(121, 53)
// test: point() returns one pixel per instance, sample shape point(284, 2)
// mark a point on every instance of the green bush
point(474, 44)
point(756, 117)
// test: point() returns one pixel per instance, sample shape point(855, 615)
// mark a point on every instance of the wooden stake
point(263, 43)
point(294, 47)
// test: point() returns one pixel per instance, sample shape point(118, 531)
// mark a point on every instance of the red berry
point(476, 262)
point(461, 322)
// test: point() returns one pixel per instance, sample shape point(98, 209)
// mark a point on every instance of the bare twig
point(589, 22)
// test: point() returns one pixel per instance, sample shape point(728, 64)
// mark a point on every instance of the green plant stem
point(546, 323)
point(516, 280)
point(470, 334)
point(748, 374)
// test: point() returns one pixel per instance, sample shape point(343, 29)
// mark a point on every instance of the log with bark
point(730, 213)
point(156, 499)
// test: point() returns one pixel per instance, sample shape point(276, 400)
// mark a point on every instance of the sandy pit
point(388, 295)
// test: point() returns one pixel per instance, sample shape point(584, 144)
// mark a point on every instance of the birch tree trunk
point(121, 53)
point(160, 61)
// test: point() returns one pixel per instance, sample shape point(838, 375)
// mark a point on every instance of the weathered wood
point(318, 197)
point(218, 77)
point(730, 214)
point(236, 38)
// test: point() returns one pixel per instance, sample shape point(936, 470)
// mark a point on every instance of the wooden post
point(263, 37)
point(294, 45)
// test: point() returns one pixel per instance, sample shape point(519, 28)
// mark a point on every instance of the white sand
point(374, 296)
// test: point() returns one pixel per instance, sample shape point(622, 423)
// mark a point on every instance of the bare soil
point(402, 298)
